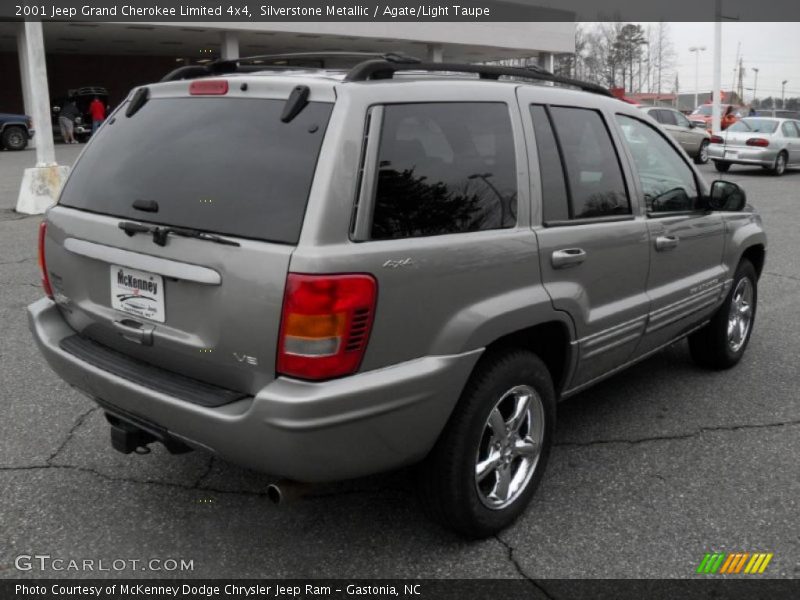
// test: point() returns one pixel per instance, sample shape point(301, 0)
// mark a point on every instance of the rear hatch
point(224, 165)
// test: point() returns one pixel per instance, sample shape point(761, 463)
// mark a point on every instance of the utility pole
point(697, 50)
point(783, 91)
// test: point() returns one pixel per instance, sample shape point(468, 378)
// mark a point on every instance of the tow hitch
point(127, 437)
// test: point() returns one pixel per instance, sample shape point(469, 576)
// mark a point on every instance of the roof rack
point(281, 61)
point(385, 69)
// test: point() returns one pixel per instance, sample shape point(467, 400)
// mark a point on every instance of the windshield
point(704, 110)
point(221, 165)
point(755, 126)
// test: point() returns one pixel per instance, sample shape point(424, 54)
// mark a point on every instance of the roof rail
point(385, 69)
point(261, 61)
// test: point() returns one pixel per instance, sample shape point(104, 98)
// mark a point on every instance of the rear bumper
point(354, 426)
point(745, 155)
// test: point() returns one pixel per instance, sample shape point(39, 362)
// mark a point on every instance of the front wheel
point(14, 138)
point(722, 342)
point(491, 456)
point(722, 166)
point(702, 154)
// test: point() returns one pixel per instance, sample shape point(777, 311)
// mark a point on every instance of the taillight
point(325, 325)
point(209, 87)
point(760, 142)
point(48, 290)
point(716, 139)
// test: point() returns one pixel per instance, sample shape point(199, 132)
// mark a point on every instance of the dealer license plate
point(137, 293)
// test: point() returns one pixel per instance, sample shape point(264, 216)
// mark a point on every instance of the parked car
point(729, 114)
point(773, 144)
point(778, 114)
point(691, 137)
point(82, 96)
point(15, 131)
point(372, 268)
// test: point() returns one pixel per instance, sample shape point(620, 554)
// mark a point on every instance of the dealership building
point(41, 62)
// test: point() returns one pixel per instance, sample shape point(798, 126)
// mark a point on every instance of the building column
point(42, 183)
point(22, 52)
point(230, 45)
point(435, 53)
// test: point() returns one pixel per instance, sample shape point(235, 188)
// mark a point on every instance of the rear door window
point(594, 175)
point(223, 165)
point(445, 168)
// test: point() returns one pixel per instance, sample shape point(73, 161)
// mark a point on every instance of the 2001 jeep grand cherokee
point(324, 274)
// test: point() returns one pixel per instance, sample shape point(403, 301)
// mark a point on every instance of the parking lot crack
point(781, 275)
point(206, 472)
point(17, 262)
point(682, 436)
point(78, 422)
point(512, 558)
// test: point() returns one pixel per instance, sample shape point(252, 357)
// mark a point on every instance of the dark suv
point(327, 274)
point(15, 131)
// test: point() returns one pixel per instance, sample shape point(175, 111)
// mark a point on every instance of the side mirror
point(692, 125)
point(726, 196)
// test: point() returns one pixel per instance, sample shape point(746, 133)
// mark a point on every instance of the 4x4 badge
point(400, 262)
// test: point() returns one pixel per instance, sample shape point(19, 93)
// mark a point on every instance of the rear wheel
point(702, 154)
point(779, 167)
point(14, 138)
point(722, 342)
point(491, 456)
point(722, 166)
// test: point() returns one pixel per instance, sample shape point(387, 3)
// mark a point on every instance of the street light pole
point(697, 50)
point(755, 84)
point(783, 90)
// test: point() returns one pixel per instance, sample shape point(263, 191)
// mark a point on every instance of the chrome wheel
point(780, 164)
point(510, 447)
point(740, 316)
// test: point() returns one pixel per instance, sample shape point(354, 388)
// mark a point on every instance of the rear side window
point(224, 165)
point(789, 130)
point(594, 175)
point(667, 117)
point(444, 168)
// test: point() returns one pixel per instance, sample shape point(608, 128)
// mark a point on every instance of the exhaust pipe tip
point(274, 494)
point(286, 491)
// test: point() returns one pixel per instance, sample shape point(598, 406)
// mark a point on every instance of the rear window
point(223, 165)
point(755, 126)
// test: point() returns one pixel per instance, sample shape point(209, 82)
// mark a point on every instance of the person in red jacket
point(98, 111)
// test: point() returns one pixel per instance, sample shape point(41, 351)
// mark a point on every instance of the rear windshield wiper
point(160, 233)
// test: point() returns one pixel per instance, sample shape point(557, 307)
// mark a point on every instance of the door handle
point(569, 257)
point(133, 331)
point(667, 242)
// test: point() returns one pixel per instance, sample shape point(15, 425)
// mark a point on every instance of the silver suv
point(323, 274)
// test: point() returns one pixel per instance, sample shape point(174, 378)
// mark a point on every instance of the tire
point(722, 166)
point(779, 168)
point(14, 138)
point(712, 346)
point(449, 488)
point(702, 154)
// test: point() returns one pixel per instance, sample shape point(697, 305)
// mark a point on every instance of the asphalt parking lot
point(652, 468)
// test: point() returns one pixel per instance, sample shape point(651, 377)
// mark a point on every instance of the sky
point(773, 48)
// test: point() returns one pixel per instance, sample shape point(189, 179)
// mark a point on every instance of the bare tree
point(662, 55)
